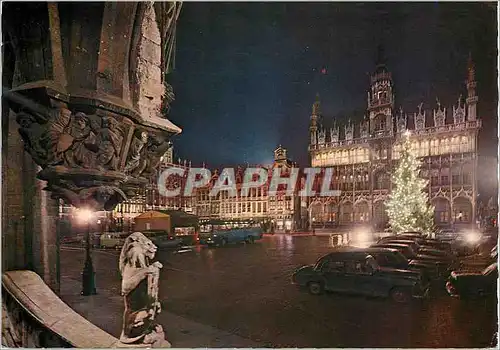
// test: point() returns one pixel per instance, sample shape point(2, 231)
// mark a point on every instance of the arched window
point(379, 122)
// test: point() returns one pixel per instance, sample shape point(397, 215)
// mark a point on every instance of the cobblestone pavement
point(245, 290)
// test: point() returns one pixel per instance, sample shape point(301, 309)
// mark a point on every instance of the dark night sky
point(247, 73)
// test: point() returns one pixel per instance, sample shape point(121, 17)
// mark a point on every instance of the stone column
point(45, 218)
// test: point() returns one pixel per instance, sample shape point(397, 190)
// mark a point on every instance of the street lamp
point(88, 274)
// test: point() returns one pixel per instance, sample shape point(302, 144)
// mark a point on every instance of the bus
point(219, 232)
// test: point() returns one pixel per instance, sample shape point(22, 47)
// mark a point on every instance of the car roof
point(381, 249)
point(390, 244)
point(349, 253)
point(400, 240)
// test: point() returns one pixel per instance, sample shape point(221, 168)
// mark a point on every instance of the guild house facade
point(279, 212)
point(363, 155)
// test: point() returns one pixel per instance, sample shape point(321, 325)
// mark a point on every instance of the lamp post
point(88, 273)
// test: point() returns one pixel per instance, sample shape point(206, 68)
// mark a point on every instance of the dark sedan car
point(357, 272)
point(419, 239)
point(393, 258)
point(441, 264)
point(473, 284)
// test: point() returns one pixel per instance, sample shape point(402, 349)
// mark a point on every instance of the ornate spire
point(439, 115)
point(471, 72)
point(459, 112)
point(419, 118)
point(401, 122)
point(316, 108)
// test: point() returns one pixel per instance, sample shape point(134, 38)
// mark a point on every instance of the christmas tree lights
point(408, 205)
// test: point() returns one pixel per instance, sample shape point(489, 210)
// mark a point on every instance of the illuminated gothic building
point(364, 155)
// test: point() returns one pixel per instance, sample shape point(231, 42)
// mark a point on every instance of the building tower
point(472, 97)
point(313, 126)
point(381, 99)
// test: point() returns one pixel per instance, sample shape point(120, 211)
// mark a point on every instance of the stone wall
point(150, 87)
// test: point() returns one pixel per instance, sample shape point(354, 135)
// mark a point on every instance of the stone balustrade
point(34, 316)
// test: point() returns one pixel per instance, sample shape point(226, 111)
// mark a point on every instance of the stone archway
point(361, 212)
point(442, 210)
point(346, 213)
point(330, 215)
point(462, 210)
point(380, 218)
point(316, 210)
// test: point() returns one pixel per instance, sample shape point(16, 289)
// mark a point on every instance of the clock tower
point(381, 99)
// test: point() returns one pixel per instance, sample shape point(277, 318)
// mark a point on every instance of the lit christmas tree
point(408, 205)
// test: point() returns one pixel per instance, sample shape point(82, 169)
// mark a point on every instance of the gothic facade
point(445, 139)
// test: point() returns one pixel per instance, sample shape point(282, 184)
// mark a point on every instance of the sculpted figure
point(79, 132)
point(136, 158)
point(41, 132)
point(109, 142)
point(140, 292)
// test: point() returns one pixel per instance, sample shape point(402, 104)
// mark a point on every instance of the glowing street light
point(88, 274)
point(84, 215)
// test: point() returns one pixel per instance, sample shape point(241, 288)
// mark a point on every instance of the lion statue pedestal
point(140, 294)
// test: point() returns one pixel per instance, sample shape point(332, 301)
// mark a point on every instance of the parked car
point(446, 234)
point(237, 235)
point(113, 239)
point(422, 248)
point(163, 240)
point(467, 284)
point(393, 258)
point(357, 272)
point(442, 265)
point(421, 240)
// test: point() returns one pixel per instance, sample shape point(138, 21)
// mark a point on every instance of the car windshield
point(320, 261)
point(490, 269)
point(399, 258)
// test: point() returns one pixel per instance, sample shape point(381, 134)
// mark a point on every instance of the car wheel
point(400, 295)
point(315, 288)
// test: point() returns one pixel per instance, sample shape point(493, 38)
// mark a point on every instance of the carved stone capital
point(93, 159)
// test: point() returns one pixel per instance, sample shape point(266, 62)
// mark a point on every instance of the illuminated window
point(465, 144)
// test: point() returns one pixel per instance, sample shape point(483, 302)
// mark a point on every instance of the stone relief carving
point(136, 161)
point(109, 142)
point(80, 154)
point(41, 131)
point(71, 140)
point(140, 292)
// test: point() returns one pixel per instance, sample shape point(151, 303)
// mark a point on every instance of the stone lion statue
point(140, 292)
